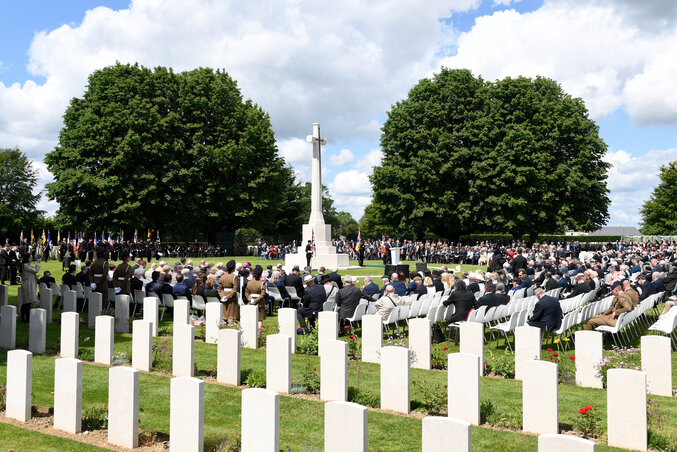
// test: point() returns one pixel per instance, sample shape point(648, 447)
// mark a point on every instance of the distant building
point(609, 230)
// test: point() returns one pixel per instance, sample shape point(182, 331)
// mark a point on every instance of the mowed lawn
point(302, 419)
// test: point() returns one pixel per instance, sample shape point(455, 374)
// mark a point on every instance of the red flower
point(588, 408)
point(352, 338)
point(582, 411)
point(58, 341)
point(550, 356)
point(549, 350)
point(445, 348)
point(573, 358)
point(445, 386)
point(315, 369)
point(346, 327)
point(555, 354)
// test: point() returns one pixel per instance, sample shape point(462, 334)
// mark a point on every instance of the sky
point(344, 64)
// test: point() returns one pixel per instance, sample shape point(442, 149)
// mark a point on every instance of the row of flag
point(80, 237)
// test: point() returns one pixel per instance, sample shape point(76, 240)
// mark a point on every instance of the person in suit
point(123, 274)
point(136, 283)
point(4, 263)
point(99, 271)
point(47, 278)
point(228, 285)
point(547, 312)
point(518, 262)
point(580, 287)
point(370, 288)
point(550, 282)
point(398, 284)
point(490, 298)
point(523, 282)
point(68, 278)
point(255, 293)
point(180, 289)
point(620, 304)
point(311, 303)
point(647, 287)
point(309, 253)
point(561, 280)
point(294, 280)
point(154, 286)
point(437, 281)
point(462, 299)
point(659, 285)
point(13, 264)
point(335, 277)
point(419, 288)
point(348, 299)
point(473, 286)
point(360, 256)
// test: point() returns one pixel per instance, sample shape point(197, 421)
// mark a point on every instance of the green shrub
point(256, 378)
point(492, 415)
point(661, 436)
point(3, 397)
point(502, 364)
point(86, 354)
point(439, 357)
point(166, 330)
point(372, 400)
point(588, 422)
point(487, 410)
point(307, 343)
point(619, 358)
point(94, 418)
point(434, 398)
point(309, 379)
point(223, 444)
point(162, 358)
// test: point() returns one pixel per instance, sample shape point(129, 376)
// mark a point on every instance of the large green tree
point(175, 152)
point(17, 182)
point(659, 212)
point(464, 155)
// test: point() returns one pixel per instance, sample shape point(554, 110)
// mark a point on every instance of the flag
point(383, 243)
point(110, 239)
point(121, 236)
point(157, 233)
point(44, 237)
point(149, 234)
point(135, 235)
point(359, 241)
point(21, 238)
point(32, 236)
point(313, 243)
point(58, 236)
point(49, 238)
point(95, 242)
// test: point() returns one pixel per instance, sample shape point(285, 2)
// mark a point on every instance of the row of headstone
point(4, 295)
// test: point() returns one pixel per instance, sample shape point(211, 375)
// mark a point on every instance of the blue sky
point(345, 63)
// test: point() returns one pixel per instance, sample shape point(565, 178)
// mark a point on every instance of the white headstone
point(564, 443)
point(420, 342)
point(142, 345)
point(345, 427)
point(94, 303)
point(104, 338)
point(183, 353)
point(46, 302)
point(70, 301)
point(37, 331)
point(228, 357)
point(19, 385)
point(151, 308)
point(249, 322)
point(334, 371)
point(181, 311)
point(213, 317)
point(527, 347)
point(372, 338)
point(539, 397)
point(588, 355)
point(123, 407)
point(260, 420)
point(464, 387)
point(657, 364)
point(395, 379)
point(4, 295)
point(327, 328)
point(186, 414)
point(278, 363)
point(122, 313)
point(70, 334)
point(286, 318)
point(626, 409)
point(472, 341)
point(8, 327)
point(444, 434)
point(68, 394)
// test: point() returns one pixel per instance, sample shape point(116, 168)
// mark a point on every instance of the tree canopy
point(462, 155)
point(659, 212)
point(175, 152)
point(17, 182)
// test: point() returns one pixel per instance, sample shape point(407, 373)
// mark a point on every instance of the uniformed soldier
point(123, 273)
point(228, 285)
point(99, 271)
point(255, 293)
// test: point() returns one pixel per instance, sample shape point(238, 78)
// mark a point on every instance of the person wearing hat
point(99, 271)
point(255, 293)
point(296, 281)
point(228, 285)
point(311, 303)
point(123, 274)
point(620, 304)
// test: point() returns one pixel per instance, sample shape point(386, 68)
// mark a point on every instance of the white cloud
point(631, 181)
point(504, 2)
point(373, 158)
point(344, 157)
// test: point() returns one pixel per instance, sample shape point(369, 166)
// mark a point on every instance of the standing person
point(228, 285)
point(29, 284)
point(255, 293)
point(13, 264)
point(123, 274)
point(99, 271)
point(4, 263)
point(309, 253)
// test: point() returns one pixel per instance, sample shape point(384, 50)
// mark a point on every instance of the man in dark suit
point(180, 289)
point(490, 298)
point(311, 303)
point(335, 277)
point(547, 312)
point(68, 278)
point(370, 288)
point(580, 288)
point(437, 281)
point(518, 262)
point(47, 278)
point(348, 298)
point(294, 280)
point(4, 263)
point(648, 288)
point(309, 253)
point(550, 283)
point(13, 264)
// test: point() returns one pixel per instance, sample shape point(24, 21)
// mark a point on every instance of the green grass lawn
point(20, 440)
point(301, 420)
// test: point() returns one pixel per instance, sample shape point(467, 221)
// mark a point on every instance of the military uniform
point(256, 291)
point(622, 303)
point(228, 290)
point(121, 277)
point(99, 272)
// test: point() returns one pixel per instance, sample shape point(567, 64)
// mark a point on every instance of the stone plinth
point(104, 339)
point(70, 334)
point(395, 379)
point(123, 407)
point(539, 397)
point(228, 357)
point(186, 414)
point(278, 363)
point(334, 371)
point(286, 318)
point(372, 338)
point(464, 387)
point(626, 409)
point(4, 295)
point(19, 385)
point(181, 311)
point(46, 300)
point(443, 434)
point(122, 313)
point(327, 328)
point(183, 352)
point(94, 303)
point(260, 420)
point(213, 318)
point(142, 343)
point(527, 347)
point(70, 300)
point(37, 331)
point(151, 313)
point(8, 327)
point(249, 322)
point(420, 342)
point(345, 427)
point(657, 364)
point(564, 443)
point(588, 355)
point(472, 341)
point(68, 394)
